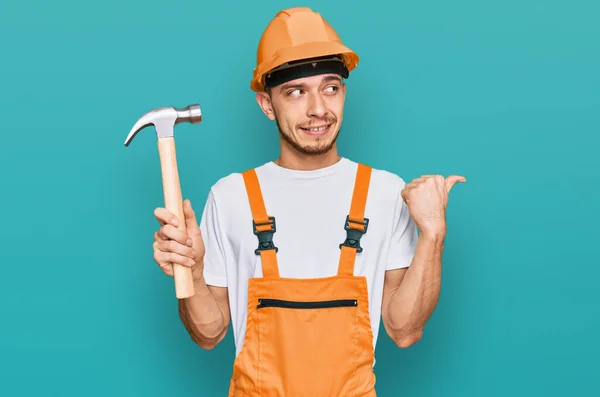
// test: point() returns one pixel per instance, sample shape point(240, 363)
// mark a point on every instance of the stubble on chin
point(310, 150)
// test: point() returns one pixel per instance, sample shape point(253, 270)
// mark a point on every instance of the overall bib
point(306, 337)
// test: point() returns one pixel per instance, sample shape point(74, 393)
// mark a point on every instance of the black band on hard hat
point(305, 68)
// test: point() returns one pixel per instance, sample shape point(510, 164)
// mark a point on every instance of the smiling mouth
point(317, 130)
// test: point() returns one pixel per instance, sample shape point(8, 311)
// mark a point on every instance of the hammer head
point(164, 119)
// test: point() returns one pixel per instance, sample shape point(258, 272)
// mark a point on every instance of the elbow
point(405, 334)
point(209, 342)
point(206, 343)
point(209, 337)
point(404, 341)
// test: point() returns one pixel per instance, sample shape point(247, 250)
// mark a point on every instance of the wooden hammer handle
point(184, 283)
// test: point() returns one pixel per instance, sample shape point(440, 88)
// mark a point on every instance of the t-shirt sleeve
point(404, 236)
point(215, 272)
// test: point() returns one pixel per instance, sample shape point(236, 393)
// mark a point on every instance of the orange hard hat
point(297, 34)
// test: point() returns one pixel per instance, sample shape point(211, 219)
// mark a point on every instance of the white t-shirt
point(310, 209)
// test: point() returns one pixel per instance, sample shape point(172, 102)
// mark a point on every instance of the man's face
point(308, 111)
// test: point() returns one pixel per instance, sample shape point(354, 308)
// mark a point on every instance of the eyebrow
point(300, 85)
point(330, 78)
point(291, 85)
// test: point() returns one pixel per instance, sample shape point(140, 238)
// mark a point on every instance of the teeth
point(318, 129)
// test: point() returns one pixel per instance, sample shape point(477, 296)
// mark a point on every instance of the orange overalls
point(306, 337)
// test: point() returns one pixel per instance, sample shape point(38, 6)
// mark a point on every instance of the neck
point(303, 162)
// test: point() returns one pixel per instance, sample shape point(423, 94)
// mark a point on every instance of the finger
point(440, 183)
point(167, 269)
point(170, 232)
point(165, 266)
point(453, 180)
point(405, 193)
point(174, 246)
point(430, 178)
point(190, 217)
point(164, 216)
point(163, 257)
point(159, 236)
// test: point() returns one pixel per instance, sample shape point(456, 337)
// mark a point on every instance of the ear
point(264, 101)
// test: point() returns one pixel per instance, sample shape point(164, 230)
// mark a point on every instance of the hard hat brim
point(303, 51)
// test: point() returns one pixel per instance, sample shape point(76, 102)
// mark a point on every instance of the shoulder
point(384, 181)
point(230, 189)
point(382, 177)
point(385, 189)
point(227, 184)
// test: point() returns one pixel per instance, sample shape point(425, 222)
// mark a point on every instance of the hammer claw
point(164, 119)
point(139, 125)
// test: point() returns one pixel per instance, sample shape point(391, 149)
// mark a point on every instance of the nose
point(316, 106)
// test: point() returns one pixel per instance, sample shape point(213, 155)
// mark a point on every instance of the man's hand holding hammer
point(206, 314)
point(171, 245)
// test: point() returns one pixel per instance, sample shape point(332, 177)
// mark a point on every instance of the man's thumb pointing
point(453, 180)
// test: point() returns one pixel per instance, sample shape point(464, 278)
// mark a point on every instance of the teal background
point(505, 93)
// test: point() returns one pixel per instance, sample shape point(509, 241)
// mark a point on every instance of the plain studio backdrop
point(505, 93)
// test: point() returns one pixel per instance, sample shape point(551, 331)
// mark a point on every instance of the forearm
point(203, 317)
point(415, 299)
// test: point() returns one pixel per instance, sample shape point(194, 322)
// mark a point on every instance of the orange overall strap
point(356, 223)
point(264, 226)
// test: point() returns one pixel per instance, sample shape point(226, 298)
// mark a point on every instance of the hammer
point(164, 119)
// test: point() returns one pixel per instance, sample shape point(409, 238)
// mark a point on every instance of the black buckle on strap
point(265, 237)
point(353, 235)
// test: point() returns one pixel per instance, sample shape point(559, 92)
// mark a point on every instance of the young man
point(306, 253)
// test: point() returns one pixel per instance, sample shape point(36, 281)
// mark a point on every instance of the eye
point(332, 89)
point(295, 92)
